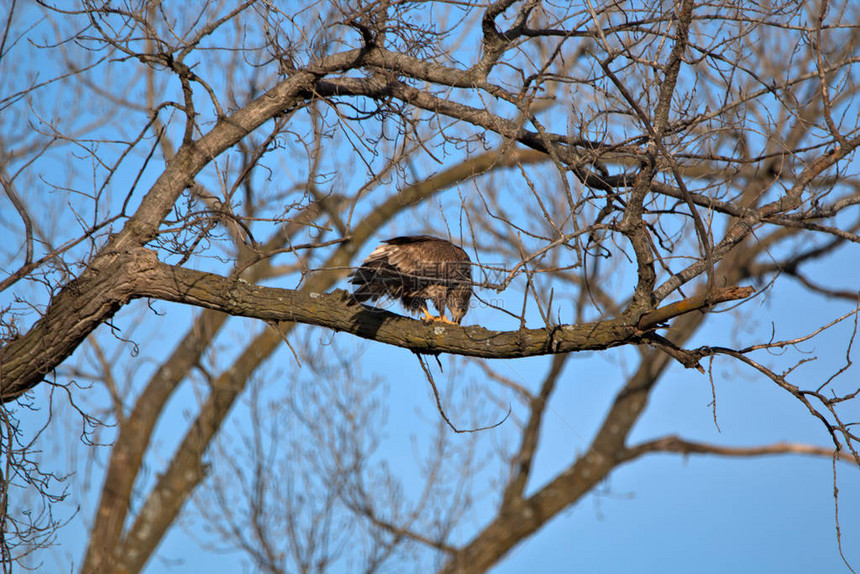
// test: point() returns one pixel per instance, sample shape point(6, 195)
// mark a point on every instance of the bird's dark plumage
point(414, 269)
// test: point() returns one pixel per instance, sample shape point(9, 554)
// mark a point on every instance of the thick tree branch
point(748, 149)
point(521, 465)
point(334, 311)
point(140, 274)
point(701, 301)
point(136, 430)
point(70, 315)
point(507, 530)
point(185, 472)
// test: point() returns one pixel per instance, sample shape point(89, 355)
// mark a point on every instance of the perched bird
point(414, 269)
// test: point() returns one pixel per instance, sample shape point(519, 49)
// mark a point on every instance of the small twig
point(681, 446)
point(442, 410)
point(836, 515)
point(274, 325)
point(713, 394)
point(22, 212)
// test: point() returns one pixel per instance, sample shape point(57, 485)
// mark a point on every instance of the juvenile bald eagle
point(415, 269)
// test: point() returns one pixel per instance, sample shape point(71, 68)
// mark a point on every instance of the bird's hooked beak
point(457, 315)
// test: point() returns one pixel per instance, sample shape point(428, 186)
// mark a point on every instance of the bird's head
point(458, 311)
point(459, 296)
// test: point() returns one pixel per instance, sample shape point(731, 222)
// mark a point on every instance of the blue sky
point(660, 513)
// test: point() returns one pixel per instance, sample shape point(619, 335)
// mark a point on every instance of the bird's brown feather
point(414, 269)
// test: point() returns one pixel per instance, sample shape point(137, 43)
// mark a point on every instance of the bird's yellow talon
point(427, 318)
point(415, 269)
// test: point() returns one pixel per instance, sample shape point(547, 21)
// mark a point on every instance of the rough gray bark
point(657, 155)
